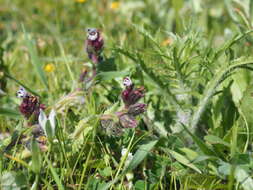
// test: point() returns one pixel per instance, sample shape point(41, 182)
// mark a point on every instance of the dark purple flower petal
point(132, 95)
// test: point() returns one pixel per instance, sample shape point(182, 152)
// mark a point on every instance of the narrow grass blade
point(55, 175)
point(34, 58)
point(183, 160)
point(36, 157)
point(21, 84)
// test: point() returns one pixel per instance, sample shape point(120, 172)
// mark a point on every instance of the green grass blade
point(21, 84)
point(36, 157)
point(55, 175)
point(34, 58)
point(182, 159)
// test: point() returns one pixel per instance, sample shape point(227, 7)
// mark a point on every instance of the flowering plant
point(125, 118)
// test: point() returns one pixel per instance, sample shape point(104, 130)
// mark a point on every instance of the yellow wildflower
point(42, 139)
point(115, 5)
point(49, 67)
point(166, 42)
point(80, 1)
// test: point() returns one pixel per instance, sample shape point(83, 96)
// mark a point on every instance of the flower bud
point(131, 96)
point(110, 125)
point(137, 109)
point(127, 121)
point(127, 82)
point(30, 105)
point(94, 45)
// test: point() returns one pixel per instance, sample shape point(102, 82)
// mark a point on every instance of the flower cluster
point(131, 95)
point(30, 106)
point(125, 118)
point(94, 46)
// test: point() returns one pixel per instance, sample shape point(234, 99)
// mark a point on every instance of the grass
point(194, 59)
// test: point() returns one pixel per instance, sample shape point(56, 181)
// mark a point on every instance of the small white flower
point(92, 34)
point(129, 175)
point(129, 156)
point(22, 93)
point(127, 81)
point(43, 121)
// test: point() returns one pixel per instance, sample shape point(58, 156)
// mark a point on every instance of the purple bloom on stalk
point(125, 118)
point(94, 44)
point(131, 95)
point(30, 105)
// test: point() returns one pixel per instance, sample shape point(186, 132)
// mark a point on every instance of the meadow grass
point(194, 59)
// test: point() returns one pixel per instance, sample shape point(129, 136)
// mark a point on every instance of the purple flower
point(94, 45)
point(137, 109)
point(30, 105)
point(125, 118)
point(131, 95)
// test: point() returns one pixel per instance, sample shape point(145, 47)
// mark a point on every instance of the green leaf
point(216, 140)
point(105, 76)
point(243, 178)
point(239, 85)
point(183, 160)
point(107, 65)
point(106, 172)
point(140, 155)
point(211, 89)
point(9, 113)
point(13, 181)
point(139, 185)
point(246, 101)
point(241, 159)
point(192, 155)
point(36, 157)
